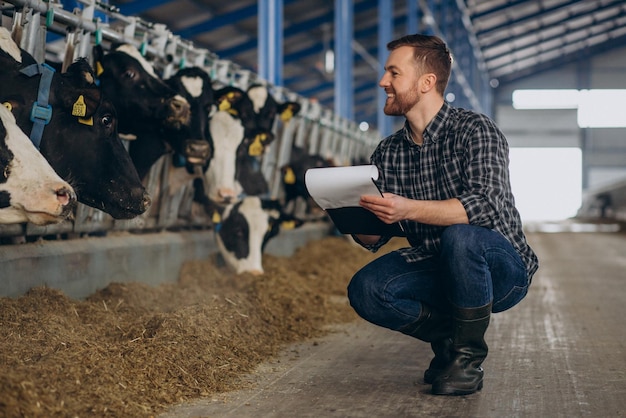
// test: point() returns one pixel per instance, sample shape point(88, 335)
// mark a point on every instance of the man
point(445, 178)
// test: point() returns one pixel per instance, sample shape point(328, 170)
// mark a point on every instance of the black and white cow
point(243, 229)
point(30, 190)
point(194, 146)
point(79, 137)
point(229, 130)
point(150, 110)
point(267, 108)
point(241, 131)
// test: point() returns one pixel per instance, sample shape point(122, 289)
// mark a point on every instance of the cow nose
point(198, 151)
point(226, 194)
point(65, 196)
point(146, 201)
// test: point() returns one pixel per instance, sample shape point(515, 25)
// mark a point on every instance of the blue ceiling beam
point(544, 11)
point(138, 7)
point(607, 18)
point(220, 21)
point(563, 60)
point(291, 30)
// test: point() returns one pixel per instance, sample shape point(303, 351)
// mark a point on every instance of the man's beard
point(400, 105)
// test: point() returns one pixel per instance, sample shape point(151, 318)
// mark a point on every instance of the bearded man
point(445, 178)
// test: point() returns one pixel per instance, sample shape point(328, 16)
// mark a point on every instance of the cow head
point(227, 131)
point(140, 96)
point(30, 190)
point(267, 108)
point(194, 84)
point(293, 174)
point(80, 141)
point(243, 229)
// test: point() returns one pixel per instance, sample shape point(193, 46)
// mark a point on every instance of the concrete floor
point(560, 353)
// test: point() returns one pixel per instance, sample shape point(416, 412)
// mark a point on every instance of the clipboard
point(338, 190)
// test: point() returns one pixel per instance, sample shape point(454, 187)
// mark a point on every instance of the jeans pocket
point(511, 299)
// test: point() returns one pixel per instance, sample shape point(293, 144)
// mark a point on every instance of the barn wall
point(604, 150)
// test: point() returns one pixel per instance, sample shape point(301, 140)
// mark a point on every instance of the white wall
point(604, 150)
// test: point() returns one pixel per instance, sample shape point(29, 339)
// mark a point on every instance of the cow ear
point(227, 98)
point(98, 55)
point(288, 110)
point(82, 73)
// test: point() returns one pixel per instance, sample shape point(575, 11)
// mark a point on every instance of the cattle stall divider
point(50, 33)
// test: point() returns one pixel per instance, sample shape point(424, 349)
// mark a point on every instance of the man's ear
point(427, 82)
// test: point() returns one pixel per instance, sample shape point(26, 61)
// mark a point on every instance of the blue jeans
point(476, 266)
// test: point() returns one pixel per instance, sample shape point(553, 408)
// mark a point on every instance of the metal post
point(385, 20)
point(413, 15)
point(271, 41)
point(344, 31)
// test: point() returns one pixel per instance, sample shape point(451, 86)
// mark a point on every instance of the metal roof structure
point(494, 41)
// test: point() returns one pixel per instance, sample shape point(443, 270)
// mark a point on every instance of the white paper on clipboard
point(336, 187)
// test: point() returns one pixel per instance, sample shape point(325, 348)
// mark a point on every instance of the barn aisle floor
point(560, 353)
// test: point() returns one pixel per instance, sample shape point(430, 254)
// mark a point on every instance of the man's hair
point(430, 53)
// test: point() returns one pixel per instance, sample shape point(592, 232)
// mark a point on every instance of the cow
point(267, 108)
point(150, 110)
point(241, 131)
point(243, 229)
point(195, 85)
point(76, 132)
point(30, 190)
point(292, 179)
point(234, 182)
point(230, 130)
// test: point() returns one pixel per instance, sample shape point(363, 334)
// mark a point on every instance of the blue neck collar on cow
point(41, 112)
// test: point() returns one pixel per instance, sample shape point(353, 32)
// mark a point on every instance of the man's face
point(400, 82)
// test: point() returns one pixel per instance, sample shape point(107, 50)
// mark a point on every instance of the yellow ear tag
point(286, 115)
point(99, 69)
point(256, 148)
point(224, 104)
point(216, 218)
point(233, 111)
point(288, 225)
point(8, 105)
point(79, 108)
point(87, 121)
point(290, 176)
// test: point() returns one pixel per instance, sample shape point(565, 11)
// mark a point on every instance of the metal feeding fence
point(34, 23)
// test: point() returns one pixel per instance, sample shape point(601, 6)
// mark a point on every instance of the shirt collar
point(434, 129)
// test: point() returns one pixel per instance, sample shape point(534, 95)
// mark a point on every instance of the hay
point(131, 350)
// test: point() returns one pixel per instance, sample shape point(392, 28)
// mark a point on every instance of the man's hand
point(390, 209)
point(394, 208)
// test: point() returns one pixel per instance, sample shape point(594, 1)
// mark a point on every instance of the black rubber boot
point(464, 374)
point(443, 356)
point(436, 328)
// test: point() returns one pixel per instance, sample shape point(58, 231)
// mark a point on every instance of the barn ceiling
point(509, 39)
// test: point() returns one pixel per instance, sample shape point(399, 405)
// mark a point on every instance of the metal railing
point(316, 129)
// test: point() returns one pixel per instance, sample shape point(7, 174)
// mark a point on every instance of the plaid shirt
point(464, 156)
